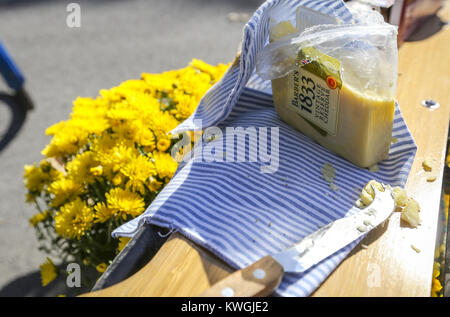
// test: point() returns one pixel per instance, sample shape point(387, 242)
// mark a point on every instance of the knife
point(263, 277)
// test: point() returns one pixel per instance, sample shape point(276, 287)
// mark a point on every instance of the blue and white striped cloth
point(241, 214)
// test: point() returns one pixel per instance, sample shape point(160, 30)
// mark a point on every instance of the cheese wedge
point(355, 123)
point(364, 123)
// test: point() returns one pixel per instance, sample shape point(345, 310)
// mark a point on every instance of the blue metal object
point(10, 71)
point(19, 102)
point(15, 80)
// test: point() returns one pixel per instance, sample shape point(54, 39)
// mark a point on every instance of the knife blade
point(333, 237)
point(264, 276)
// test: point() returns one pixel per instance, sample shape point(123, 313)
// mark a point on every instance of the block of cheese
point(364, 123)
point(324, 100)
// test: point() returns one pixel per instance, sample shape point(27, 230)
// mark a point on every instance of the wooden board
point(180, 268)
point(388, 266)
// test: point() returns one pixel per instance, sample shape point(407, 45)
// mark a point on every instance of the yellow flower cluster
point(108, 161)
point(437, 289)
point(48, 272)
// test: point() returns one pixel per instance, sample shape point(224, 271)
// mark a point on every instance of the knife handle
point(259, 279)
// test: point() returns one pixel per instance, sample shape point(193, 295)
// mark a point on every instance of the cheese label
point(316, 87)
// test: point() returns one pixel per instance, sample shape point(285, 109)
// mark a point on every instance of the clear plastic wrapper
point(335, 82)
point(367, 53)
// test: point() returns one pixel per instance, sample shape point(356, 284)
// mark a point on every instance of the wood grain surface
point(180, 268)
point(385, 263)
point(257, 280)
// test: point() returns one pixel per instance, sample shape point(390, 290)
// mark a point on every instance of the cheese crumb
point(400, 197)
point(415, 248)
point(367, 223)
point(334, 187)
point(367, 194)
point(410, 213)
point(374, 168)
point(409, 207)
point(362, 228)
point(427, 164)
point(359, 203)
point(431, 179)
point(328, 172)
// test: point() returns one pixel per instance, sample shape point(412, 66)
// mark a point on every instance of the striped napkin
point(237, 211)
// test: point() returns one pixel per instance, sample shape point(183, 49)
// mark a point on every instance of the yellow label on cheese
point(316, 88)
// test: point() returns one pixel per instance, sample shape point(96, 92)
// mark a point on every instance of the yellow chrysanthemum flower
point(138, 169)
point(154, 185)
point(159, 82)
point(186, 105)
point(117, 179)
point(165, 165)
point(36, 177)
point(39, 217)
point(30, 197)
point(120, 112)
point(162, 123)
point(74, 219)
point(48, 272)
point(101, 267)
point(436, 269)
point(67, 139)
point(112, 159)
point(124, 203)
point(114, 151)
point(123, 241)
point(63, 190)
point(97, 170)
point(436, 287)
point(79, 169)
point(215, 72)
point(102, 212)
point(145, 138)
point(163, 144)
point(89, 114)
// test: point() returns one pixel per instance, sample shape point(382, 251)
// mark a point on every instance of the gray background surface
point(117, 40)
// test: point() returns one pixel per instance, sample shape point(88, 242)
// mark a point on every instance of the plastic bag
point(367, 53)
point(335, 82)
